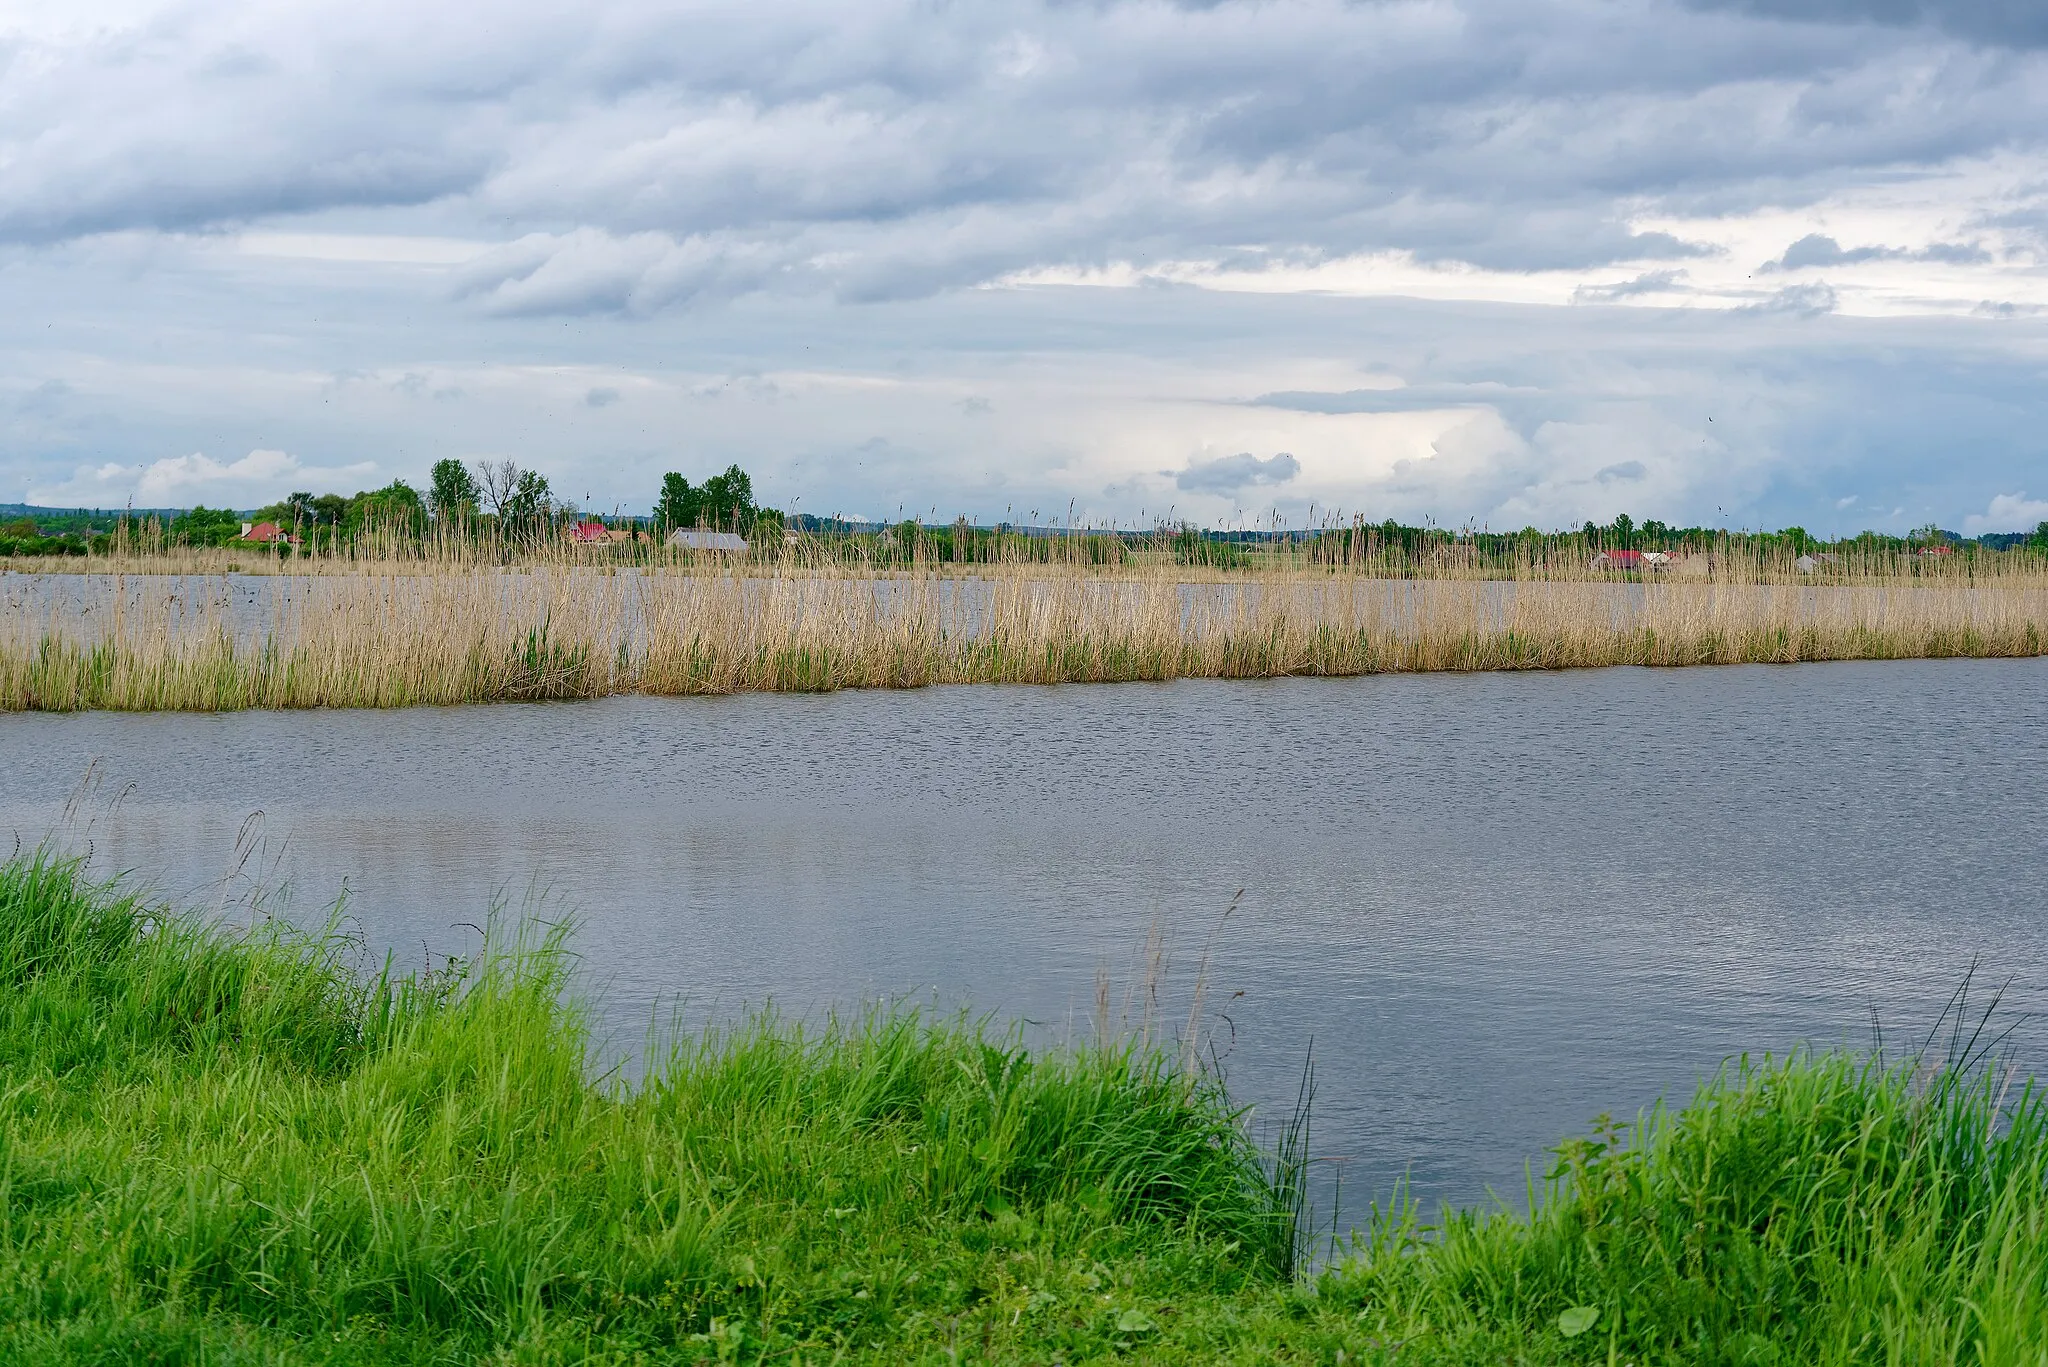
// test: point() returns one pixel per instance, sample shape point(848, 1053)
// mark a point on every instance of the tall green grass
point(1813, 1210)
point(233, 1147)
point(230, 1142)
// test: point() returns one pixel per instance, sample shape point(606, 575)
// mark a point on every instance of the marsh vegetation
point(237, 1145)
point(198, 631)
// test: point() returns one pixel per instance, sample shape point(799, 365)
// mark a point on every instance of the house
point(693, 539)
point(590, 534)
point(267, 533)
point(1618, 560)
point(1655, 560)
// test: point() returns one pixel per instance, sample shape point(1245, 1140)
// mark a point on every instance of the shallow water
point(1496, 903)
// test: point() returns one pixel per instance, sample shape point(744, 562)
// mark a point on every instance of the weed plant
point(225, 1146)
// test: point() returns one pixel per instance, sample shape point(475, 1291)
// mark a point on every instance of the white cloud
point(179, 481)
point(2008, 513)
point(426, 231)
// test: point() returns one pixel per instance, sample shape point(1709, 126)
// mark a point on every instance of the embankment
point(232, 1146)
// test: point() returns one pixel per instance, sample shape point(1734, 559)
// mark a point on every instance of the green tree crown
point(452, 492)
point(678, 505)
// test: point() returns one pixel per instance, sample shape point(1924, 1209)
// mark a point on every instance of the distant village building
point(590, 533)
point(692, 539)
point(1618, 560)
point(267, 533)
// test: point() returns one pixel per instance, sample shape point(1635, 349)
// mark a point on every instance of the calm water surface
point(1498, 904)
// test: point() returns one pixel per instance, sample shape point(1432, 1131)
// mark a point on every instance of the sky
point(1490, 263)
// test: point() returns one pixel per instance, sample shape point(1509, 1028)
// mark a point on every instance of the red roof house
point(1618, 560)
point(590, 533)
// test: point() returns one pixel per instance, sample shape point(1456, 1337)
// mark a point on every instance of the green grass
point(231, 1148)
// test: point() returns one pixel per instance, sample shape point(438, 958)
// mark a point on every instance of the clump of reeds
point(385, 634)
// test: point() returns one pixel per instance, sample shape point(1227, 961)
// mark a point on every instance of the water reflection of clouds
point(1497, 903)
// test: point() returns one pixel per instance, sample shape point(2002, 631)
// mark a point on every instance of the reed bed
point(387, 634)
point(236, 1146)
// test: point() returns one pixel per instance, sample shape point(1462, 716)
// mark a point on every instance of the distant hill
point(36, 510)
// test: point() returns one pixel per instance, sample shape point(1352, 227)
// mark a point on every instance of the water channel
point(1498, 904)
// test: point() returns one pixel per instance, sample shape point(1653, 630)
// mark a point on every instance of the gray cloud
point(1802, 301)
point(601, 398)
point(651, 157)
point(1228, 474)
point(1817, 249)
point(675, 202)
point(1651, 282)
point(2006, 23)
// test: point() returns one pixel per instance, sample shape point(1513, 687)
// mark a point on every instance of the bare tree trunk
point(498, 478)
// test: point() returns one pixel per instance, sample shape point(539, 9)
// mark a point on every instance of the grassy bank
point(358, 635)
point(227, 1148)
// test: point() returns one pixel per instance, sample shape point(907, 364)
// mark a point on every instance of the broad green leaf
point(1577, 1320)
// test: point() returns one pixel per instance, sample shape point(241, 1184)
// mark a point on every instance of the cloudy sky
point(1496, 262)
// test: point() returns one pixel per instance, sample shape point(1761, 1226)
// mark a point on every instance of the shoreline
point(226, 1142)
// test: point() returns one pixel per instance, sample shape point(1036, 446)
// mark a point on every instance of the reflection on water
point(1497, 903)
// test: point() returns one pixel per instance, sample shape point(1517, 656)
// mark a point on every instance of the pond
point(1496, 904)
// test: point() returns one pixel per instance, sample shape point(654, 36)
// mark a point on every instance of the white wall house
point(691, 539)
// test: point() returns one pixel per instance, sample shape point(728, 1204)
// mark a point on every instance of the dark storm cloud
point(639, 157)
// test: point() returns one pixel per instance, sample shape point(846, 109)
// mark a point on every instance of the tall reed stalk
point(382, 633)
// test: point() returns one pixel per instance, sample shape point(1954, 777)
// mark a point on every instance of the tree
point(2040, 537)
point(328, 508)
point(204, 526)
point(678, 505)
point(499, 480)
point(728, 499)
point(1624, 525)
point(396, 506)
point(528, 500)
point(452, 491)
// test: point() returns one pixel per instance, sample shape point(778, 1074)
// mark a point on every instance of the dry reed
point(363, 633)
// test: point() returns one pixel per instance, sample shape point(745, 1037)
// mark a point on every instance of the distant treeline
point(501, 503)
